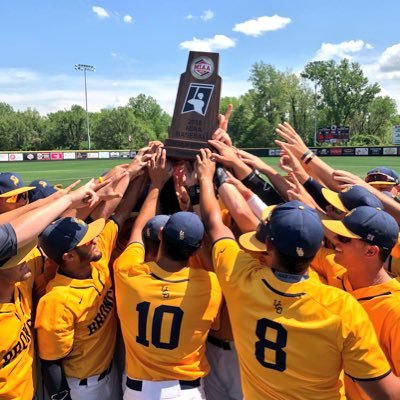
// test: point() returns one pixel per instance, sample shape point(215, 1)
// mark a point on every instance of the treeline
point(326, 93)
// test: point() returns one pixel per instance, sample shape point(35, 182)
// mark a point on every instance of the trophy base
point(183, 149)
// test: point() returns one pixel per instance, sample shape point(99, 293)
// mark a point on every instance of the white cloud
point(100, 12)
point(256, 27)
point(207, 15)
point(16, 76)
point(127, 19)
point(189, 16)
point(114, 55)
point(218, 42)
point(389, 61)
point(329, 51)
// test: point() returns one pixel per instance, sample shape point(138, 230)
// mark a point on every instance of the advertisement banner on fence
point(56, 156)
point(114, 154)
point(335, 151)
point(81, 155)
point(43, 156)
point(348, 151)
point(16, 157)
point(323, 152)
point(361, 151)
point(375, 151)
point(132, 154)
point(390, 151)
point(69, 156)
point(124, 154)
point(29, 156)
point(3, 157)
point(104, 154)
point(92, 155)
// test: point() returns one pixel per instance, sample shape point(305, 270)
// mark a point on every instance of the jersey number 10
point(177, 315)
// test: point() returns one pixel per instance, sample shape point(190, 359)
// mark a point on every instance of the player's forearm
point(277, 180)
point(321, 170)
point(31, 224)
point(147, 211)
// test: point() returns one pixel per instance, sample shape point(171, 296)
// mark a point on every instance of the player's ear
point(372, 250)
point(67, 256)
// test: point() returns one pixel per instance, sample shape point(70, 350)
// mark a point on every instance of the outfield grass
point(66, 172)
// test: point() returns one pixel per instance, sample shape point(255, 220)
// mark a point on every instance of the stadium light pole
point(315, 114)
point(84, 68)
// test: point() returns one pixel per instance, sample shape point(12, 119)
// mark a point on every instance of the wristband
point(219, 176)
point(194, 194)
point(310, 158)
point(305, 154)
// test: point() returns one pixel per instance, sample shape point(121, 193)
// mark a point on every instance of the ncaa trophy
point(196, 111)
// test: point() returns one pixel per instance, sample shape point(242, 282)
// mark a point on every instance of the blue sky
point(142, 46)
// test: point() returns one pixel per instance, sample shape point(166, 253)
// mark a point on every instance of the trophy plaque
point(196, 111)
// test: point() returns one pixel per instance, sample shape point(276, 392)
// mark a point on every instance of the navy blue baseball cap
point(372, 225)
point(67, 233)
point(153, 226)
point(42, 189)
point(12, 184)
point(382, 176)
point(295, 229)
point(184, 229)
point(352, 197)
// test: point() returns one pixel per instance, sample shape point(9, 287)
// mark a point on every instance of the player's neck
point(81, 271)
point(6, 292)
point(369, 277)
point(170, 265)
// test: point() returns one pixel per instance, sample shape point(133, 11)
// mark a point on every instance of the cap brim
point(94, 230)
point(267, 211)
point(22, 255)
point(249, 242)
point(339, 228)
point(333, 198)
point(382, 183)
point(17, 191)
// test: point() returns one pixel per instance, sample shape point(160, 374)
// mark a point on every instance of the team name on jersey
point(25, 338)
point(105, 308)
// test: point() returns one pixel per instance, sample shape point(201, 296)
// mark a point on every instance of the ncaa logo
point(198, 98)
point(202, 68)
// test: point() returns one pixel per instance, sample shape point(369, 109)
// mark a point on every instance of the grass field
point(66, 172)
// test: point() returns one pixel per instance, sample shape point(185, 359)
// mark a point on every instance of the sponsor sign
point(92, 155)
point(336, 151)
point(396, 134)
point(323, 152)
point(124, 154)
point(375, 151)
point(69, 156)
point(132, 154)
point(81, 155)
point(390, 151)
point(348, 151)
point(3, 157)
point(56, 156)
point(361, 151)
point(114, 154)
point(202, 67)
point(29, 156)
point(16, 157)
point(43, 156)
point(104, 154)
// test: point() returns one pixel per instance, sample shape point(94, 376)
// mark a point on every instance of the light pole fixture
point(84, 68)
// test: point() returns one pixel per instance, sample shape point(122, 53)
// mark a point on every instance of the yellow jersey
point(76, 318)
point(293, 339)
point(165, 317)
point(17, 378)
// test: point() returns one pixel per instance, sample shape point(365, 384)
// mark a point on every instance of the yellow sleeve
point(396, 249)
point(231, 264)
point(131, 256)
point(320, 264)
point(362, 356)
point(55, 327)
point(107, 238)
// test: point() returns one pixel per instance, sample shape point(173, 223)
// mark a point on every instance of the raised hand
point(84, 196)
point(160, 170)
point(205, 166)
point(293, 140)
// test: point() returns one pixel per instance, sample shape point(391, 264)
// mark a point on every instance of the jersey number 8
point(280, 343)
point(177, 315)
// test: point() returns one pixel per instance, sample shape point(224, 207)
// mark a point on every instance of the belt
point(84, 382)
point(223, 344)
point(137, 385)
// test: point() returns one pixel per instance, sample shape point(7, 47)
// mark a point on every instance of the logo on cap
point(42, 183)
point(181, 235)
point(202, 68)
point(300, 251)
point(14, 179)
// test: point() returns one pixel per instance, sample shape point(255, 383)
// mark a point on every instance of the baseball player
point(165, 308)
point(20, 262)
point(13, 193)
point(363, 241)
point(293, 334)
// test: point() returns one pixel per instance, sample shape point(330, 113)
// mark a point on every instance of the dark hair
point(384, 254)
point(294, 265)
point(151, 246)
point(177, 253)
